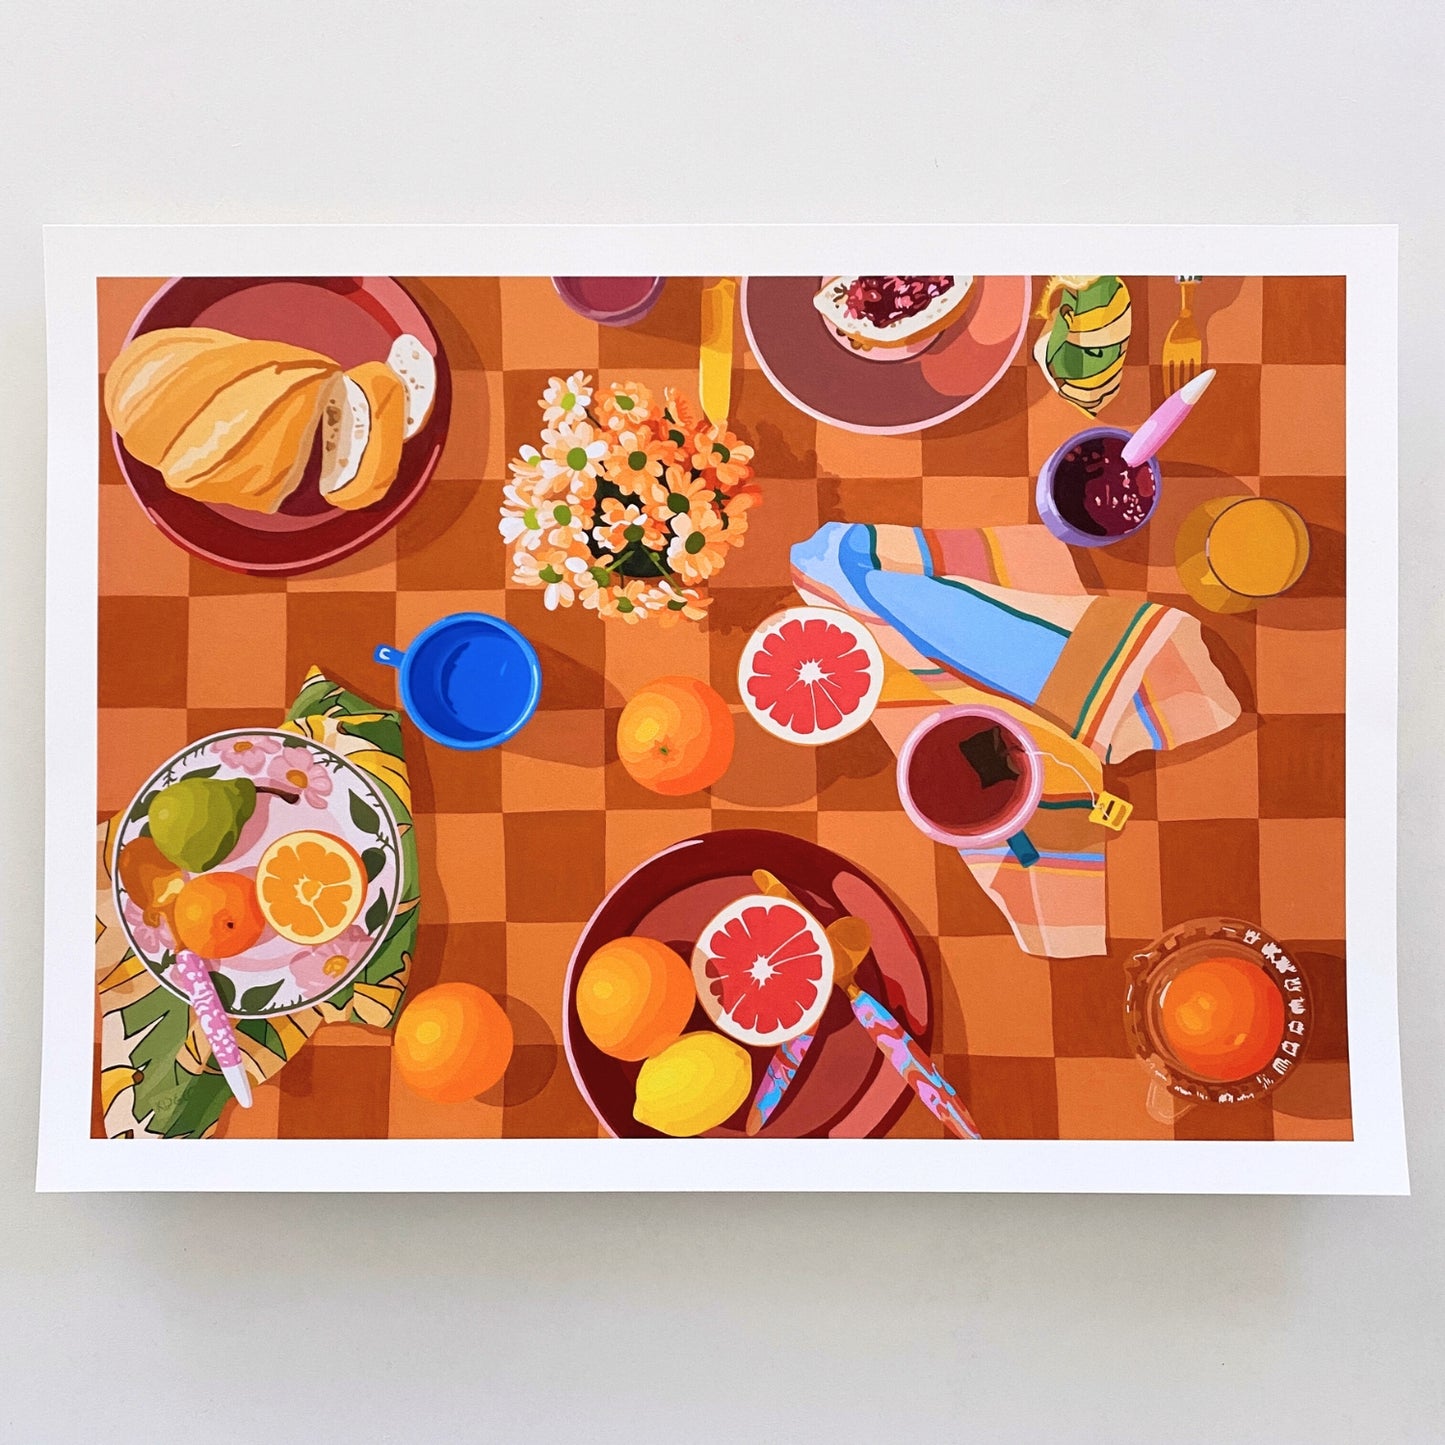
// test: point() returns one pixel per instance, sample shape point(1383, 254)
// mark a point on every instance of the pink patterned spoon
point(195, 977)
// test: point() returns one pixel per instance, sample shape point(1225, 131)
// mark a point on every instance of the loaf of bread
point(234, 421)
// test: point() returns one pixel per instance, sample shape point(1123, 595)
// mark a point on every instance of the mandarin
point(216, 915)
point(675, 736)
point(453, 1042)
point(634, 997)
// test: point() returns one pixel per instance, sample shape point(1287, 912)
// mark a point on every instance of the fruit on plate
point(763, 968)
point(233, 421)
point(693, 1085)
point(811, 675)
point(675, 736)
point(195, 822)
point(891, 311)
point(216, 915)
point(634, 997)
point(311, 886)
point(150, 879)
point(452, 1042)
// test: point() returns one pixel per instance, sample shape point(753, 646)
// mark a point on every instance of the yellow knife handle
point(715, 358)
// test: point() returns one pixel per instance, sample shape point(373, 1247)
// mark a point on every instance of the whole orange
point(634, 997)
point(675, 736)
point(452, 1042)
point(216, 915)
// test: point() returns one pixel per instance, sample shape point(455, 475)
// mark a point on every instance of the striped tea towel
point(999, 616)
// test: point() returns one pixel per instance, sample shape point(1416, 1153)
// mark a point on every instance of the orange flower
point(678, 410)
point(626, 407)
point(624, 523)
point(679, 491)
point(674, 603)
point(636, 457)
point(716, 451)
point(698, 547)
point(629, 601)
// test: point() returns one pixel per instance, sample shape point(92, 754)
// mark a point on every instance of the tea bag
point(1081, 349)
point(987, 753)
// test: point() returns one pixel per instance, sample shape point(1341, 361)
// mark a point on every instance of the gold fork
point(1183, 355)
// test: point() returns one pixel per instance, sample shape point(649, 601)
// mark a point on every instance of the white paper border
point(1372, 1163)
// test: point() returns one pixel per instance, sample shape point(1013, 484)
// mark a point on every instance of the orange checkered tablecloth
point(518, 845)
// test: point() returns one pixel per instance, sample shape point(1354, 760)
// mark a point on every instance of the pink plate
point(801, 356)
point(845, 1088)
point(351, 319)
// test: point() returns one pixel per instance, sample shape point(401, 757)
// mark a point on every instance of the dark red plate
point(845, 1088)
point(351, 319)
point(803, 359)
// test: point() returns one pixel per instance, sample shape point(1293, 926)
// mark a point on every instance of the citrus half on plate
point(763, 969)
point(310, 886)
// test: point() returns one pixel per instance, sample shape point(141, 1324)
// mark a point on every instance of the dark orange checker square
point(1304, 319)
point(555, 870)
point(1302, 766)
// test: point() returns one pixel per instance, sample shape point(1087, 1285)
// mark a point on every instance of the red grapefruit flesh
point(811, 675)
point(763, 969)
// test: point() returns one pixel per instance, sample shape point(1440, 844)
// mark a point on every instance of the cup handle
point(388, 655)
point(1023, 850)
point(1162, 1104)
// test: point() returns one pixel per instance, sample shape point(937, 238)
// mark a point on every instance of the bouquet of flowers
point(630, 506)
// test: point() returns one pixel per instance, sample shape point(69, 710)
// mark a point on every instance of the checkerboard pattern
point(518, 845)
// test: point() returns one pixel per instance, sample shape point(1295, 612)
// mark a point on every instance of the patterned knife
point(851, 938)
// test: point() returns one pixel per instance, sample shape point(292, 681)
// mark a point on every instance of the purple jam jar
point(1087, 497)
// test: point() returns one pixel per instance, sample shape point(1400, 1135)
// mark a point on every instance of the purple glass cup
point(1064, 515)
point(610, 300)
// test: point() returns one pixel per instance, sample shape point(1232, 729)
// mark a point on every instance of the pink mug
point(937, 768)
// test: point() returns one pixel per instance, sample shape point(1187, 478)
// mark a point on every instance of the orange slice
point(310, 886)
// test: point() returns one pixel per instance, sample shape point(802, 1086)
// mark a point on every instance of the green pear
point(197, 821)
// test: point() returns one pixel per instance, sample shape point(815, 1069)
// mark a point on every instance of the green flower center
point(721, 451)
point(625, 403)
point(676, 502)
point(530, 520)
point(550, 574)
point(676, 438)
point(633, 533)
point(568, 401)
point(695, 543)
point(624, 605)
point(676, 606)
point(562, 512)
point(601, 576)
point(577, 458)
point(637, 460)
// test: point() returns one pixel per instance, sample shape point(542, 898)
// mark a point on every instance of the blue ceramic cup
point(469, 681)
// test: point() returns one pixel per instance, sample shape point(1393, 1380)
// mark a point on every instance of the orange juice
point(1258, 547)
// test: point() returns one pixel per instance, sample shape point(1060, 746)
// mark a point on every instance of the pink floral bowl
point(301, 785)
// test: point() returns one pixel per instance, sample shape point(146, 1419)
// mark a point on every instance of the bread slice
point(417, 368)
point(249, 445)
point(375, 422)
point(927, 320)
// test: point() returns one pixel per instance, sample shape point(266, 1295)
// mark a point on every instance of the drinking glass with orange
point(1219, 1013)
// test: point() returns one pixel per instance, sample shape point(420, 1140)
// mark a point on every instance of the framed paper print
point(517, 722)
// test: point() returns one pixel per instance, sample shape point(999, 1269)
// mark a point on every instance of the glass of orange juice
point(1257, 547)
point(1218, 1012)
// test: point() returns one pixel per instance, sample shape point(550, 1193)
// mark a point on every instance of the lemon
point(693, 1085)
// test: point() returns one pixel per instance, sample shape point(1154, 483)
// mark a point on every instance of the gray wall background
point(718, 1318)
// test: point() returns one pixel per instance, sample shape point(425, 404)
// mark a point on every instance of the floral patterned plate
point(276, 976)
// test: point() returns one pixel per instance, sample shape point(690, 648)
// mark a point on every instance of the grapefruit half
point(811, 675)
point(763, 969)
